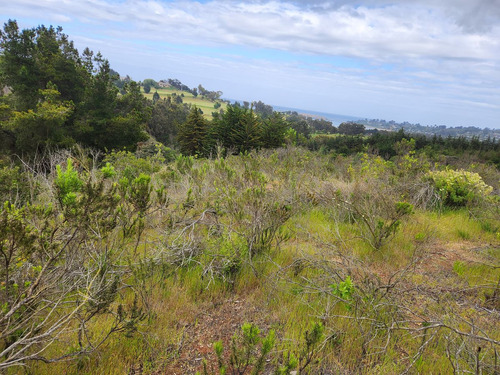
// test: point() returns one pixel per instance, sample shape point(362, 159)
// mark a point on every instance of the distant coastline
point(335, 118)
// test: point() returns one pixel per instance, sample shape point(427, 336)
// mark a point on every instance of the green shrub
point(68, 183)
point(127, 164)
point(245, 354)
point(344, 290)
point(108, 171)
point(14, 185)
point(459, 188)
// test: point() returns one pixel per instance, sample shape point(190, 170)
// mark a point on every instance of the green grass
point(205, 105)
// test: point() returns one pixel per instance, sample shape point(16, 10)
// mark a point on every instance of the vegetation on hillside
point(156, 250)
point(440, 130)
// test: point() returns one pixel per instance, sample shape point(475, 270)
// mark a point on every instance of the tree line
point(385, 144)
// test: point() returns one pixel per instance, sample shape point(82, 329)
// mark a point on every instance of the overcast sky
point(426, 61)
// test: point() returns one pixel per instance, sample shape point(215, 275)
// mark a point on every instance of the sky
point(422, 61)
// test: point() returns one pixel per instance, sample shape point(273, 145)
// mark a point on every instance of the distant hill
point(442, 130)
point(206, 105)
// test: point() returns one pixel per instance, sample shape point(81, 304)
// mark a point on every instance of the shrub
point(373, 211)
point(459, 188)
point(68, 183)
point(244, 353)
point(126, 164)
point(15, 185)
point(63, 268)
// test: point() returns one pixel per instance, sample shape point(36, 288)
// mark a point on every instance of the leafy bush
point(127, 164)
point(14, 185)
point(459, 188)
point(68, 183)
point(344, 290)
point(63, 267)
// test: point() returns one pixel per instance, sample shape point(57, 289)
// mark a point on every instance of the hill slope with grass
point(206, 105)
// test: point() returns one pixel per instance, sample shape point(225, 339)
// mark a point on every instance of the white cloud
point(407, 29)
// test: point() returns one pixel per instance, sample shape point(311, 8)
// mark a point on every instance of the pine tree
point(156, 97)
point(237, 128)
point(246, 134)
point(192, 134)
point(274, 128)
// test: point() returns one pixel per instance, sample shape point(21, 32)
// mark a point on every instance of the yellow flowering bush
point(458, 188)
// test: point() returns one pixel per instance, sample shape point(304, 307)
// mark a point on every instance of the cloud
point(472, 15)
point(375, 31)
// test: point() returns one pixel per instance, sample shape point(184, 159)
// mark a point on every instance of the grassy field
point(289, 241)
point(205, 105)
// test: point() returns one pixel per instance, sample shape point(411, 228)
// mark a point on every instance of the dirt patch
point(219, 321)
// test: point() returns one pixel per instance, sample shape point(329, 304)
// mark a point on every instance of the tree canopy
point(59, 97)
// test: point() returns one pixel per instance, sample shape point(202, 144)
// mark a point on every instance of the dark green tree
point(247, 133)
point(351, 128)
point(274, 128)
point(320, 125)
point(134, 103)
point(165, 120)
point(156, 97)
point(262, 109)
point(192, 136)
point(151, 83)
point(299, 124)
point(59, 97)
point(43, 127)
point(32, 58)
point(97, 108)
point(236, 128)
point(106, 121)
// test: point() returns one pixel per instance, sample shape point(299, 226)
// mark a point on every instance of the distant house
point(162, 83)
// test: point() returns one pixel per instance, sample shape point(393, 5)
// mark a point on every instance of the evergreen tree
point(192, 134)
point(59, 96)
point(247, 133)
point(273, 131)
point(165, 120)
point(97, 108)
point(237, 128)
point(156, 97)
point(351, 128)
point(32, 58)
point(41, 128)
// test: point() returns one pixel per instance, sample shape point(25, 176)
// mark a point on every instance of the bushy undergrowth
point(459, 188)
point(341, 257)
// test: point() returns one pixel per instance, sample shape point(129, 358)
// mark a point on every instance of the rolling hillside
point(205, 105)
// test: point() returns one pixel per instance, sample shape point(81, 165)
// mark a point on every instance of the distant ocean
point(336, 119)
